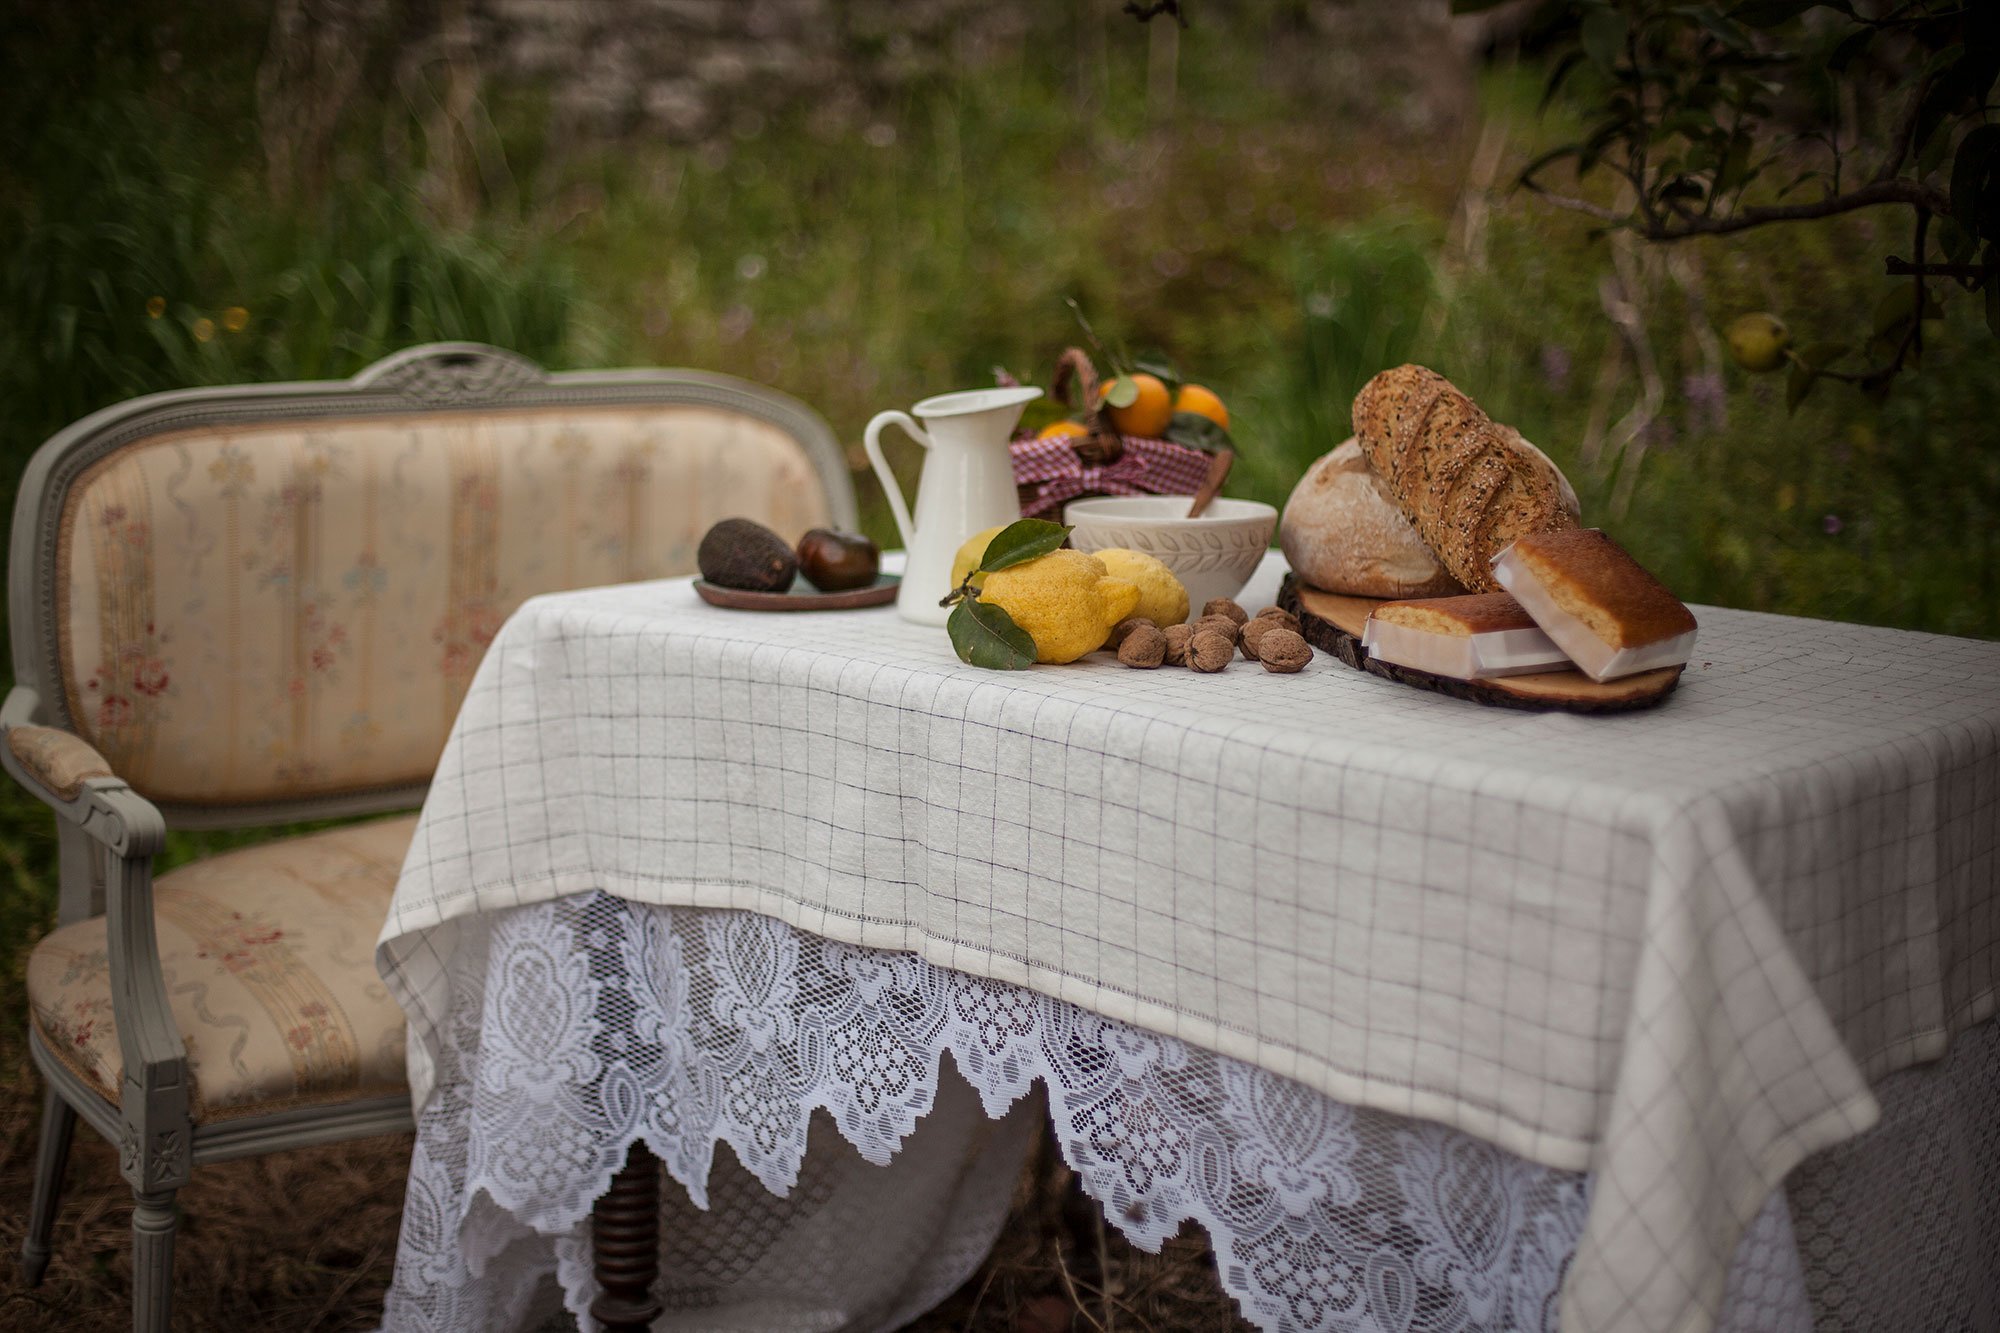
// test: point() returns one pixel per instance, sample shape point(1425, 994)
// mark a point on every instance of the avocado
point(739, 553)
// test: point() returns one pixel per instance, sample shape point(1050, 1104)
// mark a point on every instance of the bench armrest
point(111, 831)
point(59, 760)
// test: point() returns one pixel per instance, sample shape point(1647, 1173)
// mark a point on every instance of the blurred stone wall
point(688, 69)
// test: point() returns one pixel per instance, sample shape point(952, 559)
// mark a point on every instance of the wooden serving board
point(1332, 623)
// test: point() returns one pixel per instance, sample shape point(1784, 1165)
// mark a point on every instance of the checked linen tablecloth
point(1672, 949)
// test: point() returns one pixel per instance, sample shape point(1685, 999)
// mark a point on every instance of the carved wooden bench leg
point(153, 1221)
point(625, 1241)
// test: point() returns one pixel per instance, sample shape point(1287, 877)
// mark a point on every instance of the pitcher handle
point(871, 440)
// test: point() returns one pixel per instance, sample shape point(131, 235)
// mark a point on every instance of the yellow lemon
point(1066, 601)
point(1758, 341)
point(1162, 598)
point(969, 556)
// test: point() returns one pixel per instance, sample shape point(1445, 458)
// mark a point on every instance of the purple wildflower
point(1707, 400)
point(1555, 365)
point(1832, 524)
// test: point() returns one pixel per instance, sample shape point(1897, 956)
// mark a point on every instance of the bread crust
point(1596, 580)
point(1460, 617)
point(1342, 531)
point(1469, 485)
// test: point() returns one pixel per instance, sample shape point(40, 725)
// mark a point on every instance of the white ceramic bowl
point(1213, 555)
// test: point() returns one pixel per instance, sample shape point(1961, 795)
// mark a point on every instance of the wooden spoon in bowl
point(1218, 472)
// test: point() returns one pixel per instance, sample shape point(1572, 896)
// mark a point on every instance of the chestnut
point(836, 561)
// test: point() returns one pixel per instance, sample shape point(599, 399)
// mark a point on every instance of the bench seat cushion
point(268, 954)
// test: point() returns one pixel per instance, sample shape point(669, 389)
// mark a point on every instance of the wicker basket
point(1075, 387)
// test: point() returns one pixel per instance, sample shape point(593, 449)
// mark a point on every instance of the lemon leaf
point(983, 635)
point(1198, 432)
point(1022, 540)
point(1121, 392)
point(1798, 384)
point(1603, 36)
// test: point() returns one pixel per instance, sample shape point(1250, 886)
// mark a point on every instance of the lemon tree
point(1701, 111)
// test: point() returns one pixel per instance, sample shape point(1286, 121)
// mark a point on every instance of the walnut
point(1123, 628)
point(1144, 646)
point(1221, 625)
point(1177, 637)
point(1209, 650)
point(1282, 616)
point(1282, 650)
point(1254, 630)
point(1222, 606)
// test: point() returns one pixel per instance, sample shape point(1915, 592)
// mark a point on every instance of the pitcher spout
point(970, 402)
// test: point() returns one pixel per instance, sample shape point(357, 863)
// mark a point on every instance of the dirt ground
point(306, 1240)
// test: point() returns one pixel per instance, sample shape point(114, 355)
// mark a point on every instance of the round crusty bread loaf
point(1342, 533)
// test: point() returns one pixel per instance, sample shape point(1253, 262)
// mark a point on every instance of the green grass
point(1275, 239)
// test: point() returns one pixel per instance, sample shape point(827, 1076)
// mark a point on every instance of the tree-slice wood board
point(1332, 623)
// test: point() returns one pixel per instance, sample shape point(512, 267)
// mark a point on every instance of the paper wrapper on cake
point(1468, 484)
point(1597, 603)
point(1478, 636)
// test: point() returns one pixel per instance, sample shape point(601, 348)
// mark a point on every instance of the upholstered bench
point(263, 604)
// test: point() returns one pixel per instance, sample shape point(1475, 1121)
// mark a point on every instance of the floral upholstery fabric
point(268, 954)
point(60, 760)
point(274, 611)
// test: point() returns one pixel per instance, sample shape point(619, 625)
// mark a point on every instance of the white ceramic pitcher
point(967, 487)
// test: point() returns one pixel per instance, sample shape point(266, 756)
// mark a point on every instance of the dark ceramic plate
point(801, 596)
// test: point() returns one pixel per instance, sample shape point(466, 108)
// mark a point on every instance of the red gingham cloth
point(1147, 467)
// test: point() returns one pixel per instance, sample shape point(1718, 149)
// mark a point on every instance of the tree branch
point(1872, 195)
point(1906, 129)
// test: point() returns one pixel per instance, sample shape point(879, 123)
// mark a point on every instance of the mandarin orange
point(1148, 413)
point(1203, 403)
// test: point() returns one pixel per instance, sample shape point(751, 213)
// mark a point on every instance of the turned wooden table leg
point(625, 1242)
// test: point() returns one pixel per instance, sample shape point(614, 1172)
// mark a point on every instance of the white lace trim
point(581, 1026)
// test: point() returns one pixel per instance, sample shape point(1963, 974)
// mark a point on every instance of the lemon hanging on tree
point(1758, 341)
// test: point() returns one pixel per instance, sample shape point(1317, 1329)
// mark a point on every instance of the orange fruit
point(1063, 430)
point(1203, 403)
point(1148, 414)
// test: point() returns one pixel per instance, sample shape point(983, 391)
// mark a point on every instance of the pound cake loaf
point(1473, 637)
point(1596, 602)
point(1468, 484)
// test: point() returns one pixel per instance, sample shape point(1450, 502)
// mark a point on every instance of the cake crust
point(1460, 617)
point(1594, 579)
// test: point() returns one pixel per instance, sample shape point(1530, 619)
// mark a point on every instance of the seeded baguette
point(1468, 484)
